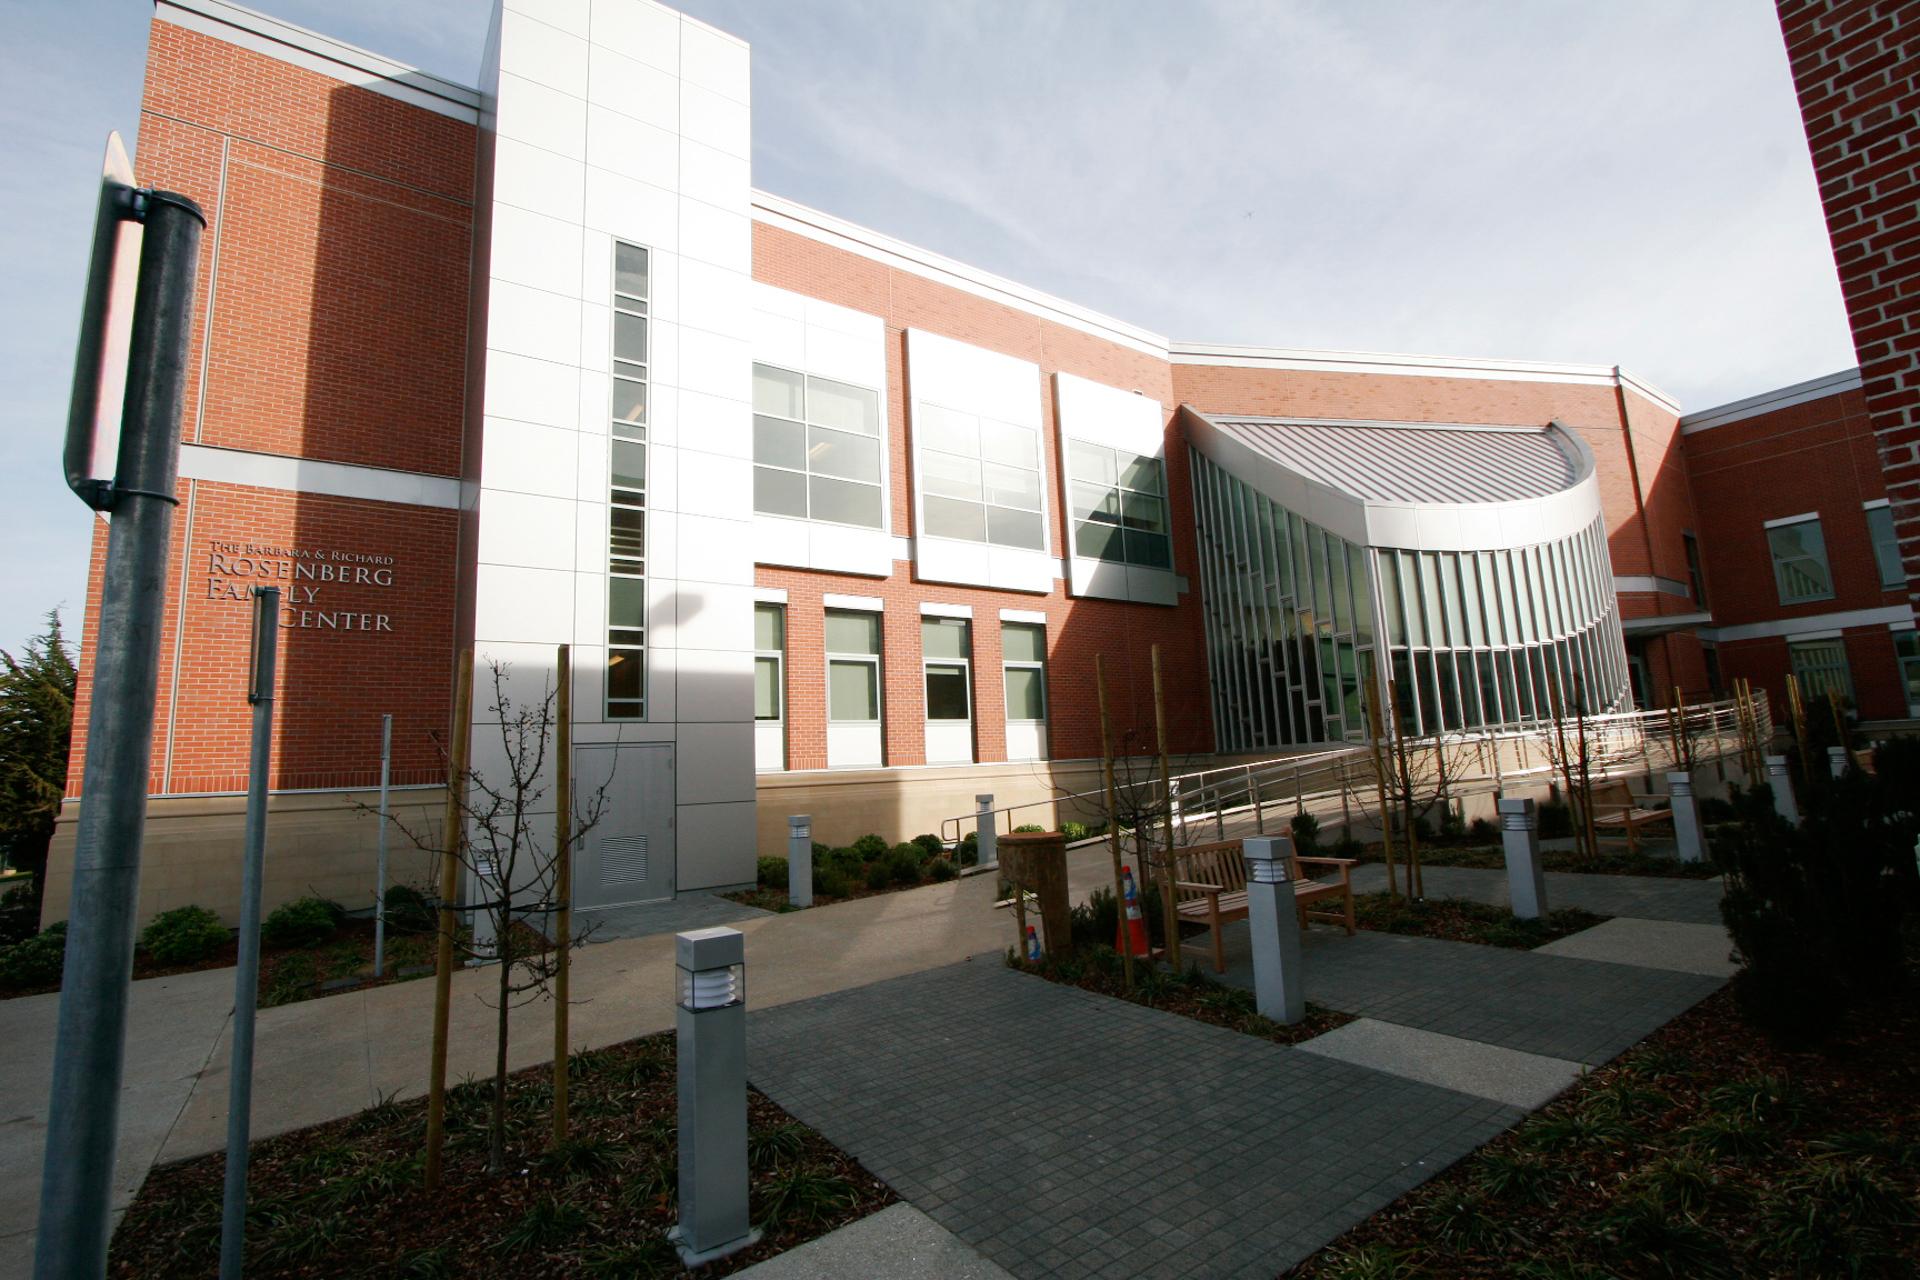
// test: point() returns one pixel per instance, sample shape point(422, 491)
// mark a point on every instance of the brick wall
point(1856, 67)
point(1076, 629)
point(330, 324)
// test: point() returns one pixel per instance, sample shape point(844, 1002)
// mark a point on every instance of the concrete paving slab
point(1641, 897)
point(677, 915)
point(1653, 944)
point(897, 1243)
point(1518, 1079)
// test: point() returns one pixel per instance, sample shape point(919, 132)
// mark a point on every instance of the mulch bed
point(1464, 920)
point(345, 1198)
point(1605, 863)
point(1705, 1151)
point(775, 899)
point(1192, 994)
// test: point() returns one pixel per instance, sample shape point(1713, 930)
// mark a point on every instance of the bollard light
point(1781, 781)
point(1520, 846)
point(988, 843)
point(711, 1028)
point(800, 859)
point(1687, 836)
point(1837, 761)
point(1273, 925)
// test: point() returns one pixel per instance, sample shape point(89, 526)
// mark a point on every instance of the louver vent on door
point(624, 861)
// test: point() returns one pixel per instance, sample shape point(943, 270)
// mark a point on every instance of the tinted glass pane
point(626, 602)
point(766, 688)
point(776, 391)
point(780, 443)
point(841, 453)
point(1141, 473)
point(1142, 511)
point(629, 400)
point(950, 477)
point(1886, 548)
point(851, 632)
point(1149, 550)
point(949, 519)
point(853, 691)
point(844, 502)
point(1025, 642)
point(835, 404)
point(1098, 542)
point(1011, 487)
point(1025, 698)
point(623, 673)
point(1093, 503)
point(1091, 463)
point(629, 337)
point(1015, 528)
point(629, 465)
point(946, 693)
point(769, 626)
point(947, 431)
point(630, 270)
point(1005, 443)
point(627, 535)
point(779, 493)
point(943, 637)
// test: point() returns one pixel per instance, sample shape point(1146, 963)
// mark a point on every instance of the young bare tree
point(513, 869)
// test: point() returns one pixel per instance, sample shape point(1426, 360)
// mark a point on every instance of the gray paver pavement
point(1019, 1114)
point(1643, 897)
point(1556, 1006)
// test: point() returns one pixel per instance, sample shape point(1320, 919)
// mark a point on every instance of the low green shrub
point(35, 961)
point(903, 865)
point(304, 922)
point(941, 870)
point(408, 910)
point(1347, 847)
point(831, 883)
point(879, 876)
point(908, 849)
point(184, 935)
point(19, 915)
point(1073, 831)
point(1556, 820)
point(771, 873)
point(870, 847)
point(1306, 834)
point(1095, 922)
point(969, 850)
point(932, 844)
point(1027, 828)
point(844, 860)
point(1453, 827)
point(1483, 831)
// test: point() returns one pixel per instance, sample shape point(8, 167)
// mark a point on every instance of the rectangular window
point(947, 651)
point(1119, 506)
point(853, 666)
point(769, 661)
point(1696, 577)
point(817, 449)
point(1800, 561)
point(1023, 656)
point(980, 480)
point(626, 692)
point(1821, 667)
point(1906, 647)
point(1886, 548)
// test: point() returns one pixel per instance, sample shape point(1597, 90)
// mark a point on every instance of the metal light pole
point(246, 979)
point(380, 877)
point(711, 1030)
point(89, 1053)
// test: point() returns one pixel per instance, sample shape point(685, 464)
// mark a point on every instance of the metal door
point(629, 854)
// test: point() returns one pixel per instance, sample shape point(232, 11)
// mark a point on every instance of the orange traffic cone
point(1132, 927)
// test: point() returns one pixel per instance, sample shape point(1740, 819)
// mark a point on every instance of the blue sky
point(1621, 183)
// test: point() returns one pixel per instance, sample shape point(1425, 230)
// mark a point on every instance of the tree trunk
point(503, 956)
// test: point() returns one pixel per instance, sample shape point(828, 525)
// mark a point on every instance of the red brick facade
point(1856, 66)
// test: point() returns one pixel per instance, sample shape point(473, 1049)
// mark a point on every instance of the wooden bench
point(1619, 814)
point(1210, 888)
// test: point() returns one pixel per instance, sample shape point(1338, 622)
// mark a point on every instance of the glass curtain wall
point(1471, 639)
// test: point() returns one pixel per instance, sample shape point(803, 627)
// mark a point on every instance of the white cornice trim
point(1898, 616)
point(1305, 360)
point(1626, 583)
point(309, 475)
point(1831, 384)
point(877, 247)
point(260, 33)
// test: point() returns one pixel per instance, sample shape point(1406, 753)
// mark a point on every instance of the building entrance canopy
point(1465, 562)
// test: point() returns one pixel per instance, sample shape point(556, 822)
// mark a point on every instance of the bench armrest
point(1199, 887)
point(1328, 862)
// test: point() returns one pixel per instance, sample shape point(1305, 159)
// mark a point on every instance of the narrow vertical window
point(945, 644)
point(1023, 658)
point(1886, 547)
point(769, 687)
point(627, 515)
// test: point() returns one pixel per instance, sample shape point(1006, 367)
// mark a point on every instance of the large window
point(1821, 667)
point(1696, 578)
point(1886, 547)
point(980, 480)
point(1800, 560)
point(1906, 646)
point(769, 659)
point(1023, 656)
point(853, 666)
point(627, 513)
point(816, 449)
point(947, 650)
point(1119, 506)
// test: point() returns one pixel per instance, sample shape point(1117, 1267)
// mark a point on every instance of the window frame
point(1780, 564)
point(778, 657)
point(873, 660)
point(1696, 567)
point(807, 425)
point(1023, 664)
point(1118, 492)
point(1799, 670)
point(920, 449)
point(628, 641)
point(928, 663)
point(1875, 513)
